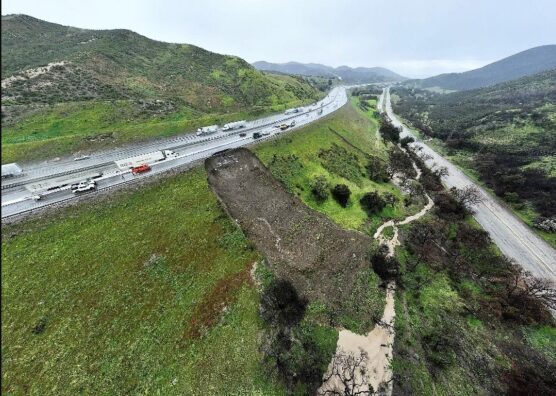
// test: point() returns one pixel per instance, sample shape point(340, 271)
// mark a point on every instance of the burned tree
point(347, 376)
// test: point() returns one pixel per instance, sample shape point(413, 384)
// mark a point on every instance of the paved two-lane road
point(515, 239)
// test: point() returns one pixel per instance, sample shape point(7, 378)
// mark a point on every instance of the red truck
point(140, 169)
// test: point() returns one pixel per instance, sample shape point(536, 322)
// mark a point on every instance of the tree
point(388, 131)
point(390, 199)
point(385, 266)
point(319, 188)
point(341, 194)
point(376, 169)
point(523, 285)
point(404, 142)
point(441, 171)
point(400, 163)
point(467, 196)
point(347, 376)
point(281, 305)
point(413, 188)
point(372, 203)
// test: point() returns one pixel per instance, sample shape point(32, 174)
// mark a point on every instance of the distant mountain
point(348, 74)
point(522, 64)
point(112, 79)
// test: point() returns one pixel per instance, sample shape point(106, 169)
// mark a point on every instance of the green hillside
point(504, 134)
point(62, 87)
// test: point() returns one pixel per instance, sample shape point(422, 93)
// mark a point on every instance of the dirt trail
point(378, 344)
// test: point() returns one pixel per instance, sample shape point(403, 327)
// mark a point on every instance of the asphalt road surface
point(514, 238)
point(18, 192)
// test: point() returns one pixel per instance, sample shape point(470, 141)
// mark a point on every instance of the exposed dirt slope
point(302, 245)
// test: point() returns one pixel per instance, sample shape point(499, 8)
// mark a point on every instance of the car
point(37, 197)
point(283, 127)
point(83, 157)
point(84, 187)
point(82, 184)
point(140, 169)
point(242, 134)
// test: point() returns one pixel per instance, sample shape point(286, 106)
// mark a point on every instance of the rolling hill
point(348, 74)
point(105, 81)
point(522, 64)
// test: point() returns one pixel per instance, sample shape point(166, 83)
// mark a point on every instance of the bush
point(372, 203)
point(389, 132)
point(319, 188)
point(406, 140)
point(386, 267)
point(341, 194)
point(281, 305)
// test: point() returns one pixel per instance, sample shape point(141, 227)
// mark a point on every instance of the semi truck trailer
point(142, 159)
point(207, 130)
point(234, 125)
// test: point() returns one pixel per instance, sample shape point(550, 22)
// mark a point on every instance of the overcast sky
point(415, 38)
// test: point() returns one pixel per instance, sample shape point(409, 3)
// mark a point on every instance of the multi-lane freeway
point(19, 193)
point(515, 239)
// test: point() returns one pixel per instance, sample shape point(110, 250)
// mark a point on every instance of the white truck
point(234, 125)
point(207, 130)
point(142, 159)
point(292, 111)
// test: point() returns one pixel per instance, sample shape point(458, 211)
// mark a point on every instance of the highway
point(18, 192)
point(514, 238)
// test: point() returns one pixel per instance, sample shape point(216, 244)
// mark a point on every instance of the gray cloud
point(415, 38)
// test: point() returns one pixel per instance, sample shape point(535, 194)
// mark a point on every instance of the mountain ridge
point(346, 73)
point(525, 63)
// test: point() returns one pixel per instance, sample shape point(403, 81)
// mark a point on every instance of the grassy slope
point(114, 322)
point(357, 130)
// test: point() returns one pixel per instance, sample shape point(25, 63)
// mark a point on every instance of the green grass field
point(149, 291)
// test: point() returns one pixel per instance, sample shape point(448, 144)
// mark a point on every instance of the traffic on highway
point(42, 185)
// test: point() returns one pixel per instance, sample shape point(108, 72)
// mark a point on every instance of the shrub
point(281, 305)
point(341, 194)
point(319, 188)
point(406, 140)
point(372, 202)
